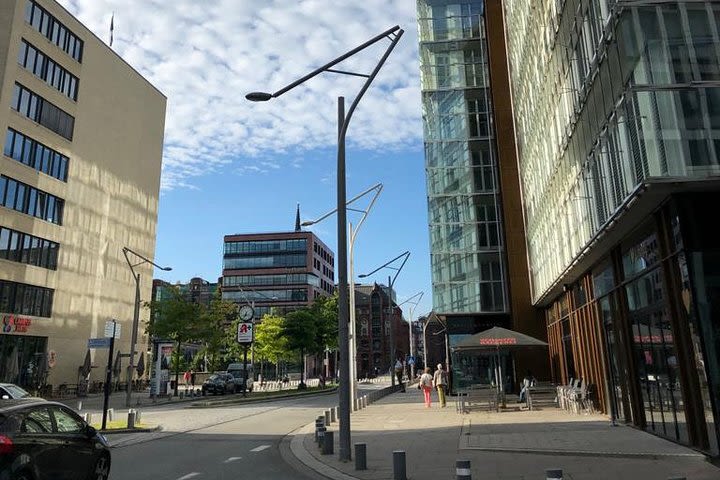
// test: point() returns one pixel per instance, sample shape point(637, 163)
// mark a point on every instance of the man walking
point(440, 381)
point(399, 374)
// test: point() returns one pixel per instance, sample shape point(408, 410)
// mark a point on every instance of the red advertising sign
point(498, 341)
point(13, 323)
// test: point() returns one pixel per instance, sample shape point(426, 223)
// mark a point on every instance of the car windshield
point(15, 391)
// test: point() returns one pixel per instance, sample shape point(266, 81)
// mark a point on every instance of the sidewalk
point(505, 445)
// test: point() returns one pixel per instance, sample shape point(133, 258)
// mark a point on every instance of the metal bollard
point(365, 400)
point(328, 443)
point(332, 415)
point(111, 414)
point(131, 418)
point(553, 474)
point(320, 436)
point(462, 470)
point(399, 470)
point(360, 456)
point(318, 424)
point(79, 406)
point(87, 417)
point(327, 417)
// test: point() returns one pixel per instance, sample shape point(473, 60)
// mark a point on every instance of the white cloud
point(205, 56)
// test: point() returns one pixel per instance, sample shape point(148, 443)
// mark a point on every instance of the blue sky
point(231, 166)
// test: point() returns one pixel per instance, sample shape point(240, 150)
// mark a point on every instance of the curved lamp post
point(393, 34)
point(391, 281)
point(413, 304)
point(352, 340)
point(136, 316)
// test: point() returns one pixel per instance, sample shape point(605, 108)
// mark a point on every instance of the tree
point(178, 319)
point(217, 320)
point(301, 333)
point(325, 310)
point(270, 343)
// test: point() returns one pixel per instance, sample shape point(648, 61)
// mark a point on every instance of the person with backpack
point(440, 381)
point(426, 385)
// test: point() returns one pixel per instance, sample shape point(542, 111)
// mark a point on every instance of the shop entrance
point(23, 361)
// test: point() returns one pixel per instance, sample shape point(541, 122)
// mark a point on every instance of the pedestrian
point(192, 378)
point(440, 381)
point(527, 382)
point(399, 374)
point(186, 379)
point(426, 385)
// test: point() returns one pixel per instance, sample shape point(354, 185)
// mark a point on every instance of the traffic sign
point(411, 360)
point(99, 342)
point(109, 328)
point(245, 332)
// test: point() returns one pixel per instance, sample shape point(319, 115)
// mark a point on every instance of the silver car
point(10, 390)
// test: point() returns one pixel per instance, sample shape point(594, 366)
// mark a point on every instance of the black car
point(42, 440)
point(214, 384)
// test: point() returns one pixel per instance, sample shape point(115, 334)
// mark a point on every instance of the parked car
point(230, 382)
point(214, 384)
point(41, 440)
point(10, 390)
point(237, 370)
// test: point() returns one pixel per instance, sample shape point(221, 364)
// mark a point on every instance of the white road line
point(258, 449)
point(232, 459)
point(189, 475)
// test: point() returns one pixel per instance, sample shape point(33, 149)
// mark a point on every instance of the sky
point(234, 166)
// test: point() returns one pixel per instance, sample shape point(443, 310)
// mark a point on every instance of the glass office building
point(617, 110)
point(477, 246)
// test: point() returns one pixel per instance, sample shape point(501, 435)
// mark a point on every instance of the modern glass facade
point(466, 240)
point(617, 109)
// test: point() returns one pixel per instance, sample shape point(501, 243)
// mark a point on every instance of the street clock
point(246, 313)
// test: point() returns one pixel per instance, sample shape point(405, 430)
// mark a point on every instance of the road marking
point(189, 475)
point(232, 459)
point(257, 449)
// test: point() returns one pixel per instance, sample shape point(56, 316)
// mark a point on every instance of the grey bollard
point(320, 436)
point(87, 417)
point(328, 443)
point(318, 425)
point(399, 470)
point(332, 415)
point(79, 406)
point(365, 400)
point(110, 414)
point(131, 418)
point(327, 417)
point(360, 456)
point(462, 470)
point(553, 474)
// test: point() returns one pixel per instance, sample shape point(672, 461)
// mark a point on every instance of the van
point(237, 370)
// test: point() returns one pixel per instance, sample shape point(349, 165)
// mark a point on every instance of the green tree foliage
point(325, 310)
point(176, 318)
point(217, 321)
point(270, 342)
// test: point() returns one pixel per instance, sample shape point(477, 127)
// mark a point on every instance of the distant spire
point(297, 218)
point(112, 28)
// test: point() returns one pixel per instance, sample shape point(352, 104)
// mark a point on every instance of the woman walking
point(426, 385)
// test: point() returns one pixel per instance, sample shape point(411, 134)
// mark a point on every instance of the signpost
point(112, 331)
point(245, 337)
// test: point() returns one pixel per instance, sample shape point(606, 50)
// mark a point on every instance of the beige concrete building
point(82, 136)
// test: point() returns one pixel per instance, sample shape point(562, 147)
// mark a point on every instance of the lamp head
point(362, 276)
point(307, 224)
point(259, 96)
point(167, 269)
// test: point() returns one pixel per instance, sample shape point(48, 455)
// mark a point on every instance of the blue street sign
point(99, 342)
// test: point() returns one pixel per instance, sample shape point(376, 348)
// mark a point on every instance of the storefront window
point(23, 361)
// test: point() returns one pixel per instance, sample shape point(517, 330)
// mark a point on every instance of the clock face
point(246, 312)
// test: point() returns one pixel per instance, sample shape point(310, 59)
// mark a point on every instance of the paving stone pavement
point(500, 445)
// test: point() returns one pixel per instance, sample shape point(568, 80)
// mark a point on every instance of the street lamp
point(136, 316)
point(352, 340)
point(413, 304)
point(391, 281)
point(393, 34)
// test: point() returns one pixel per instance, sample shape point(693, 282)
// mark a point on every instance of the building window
point(24, 299)
point(53, 30)
point(31, 201)
point(265, 246)
point(48, 70)
point(35, 155)
point(39, 110)
point(24, 248)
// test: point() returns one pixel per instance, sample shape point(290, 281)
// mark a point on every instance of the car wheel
point(102, 468)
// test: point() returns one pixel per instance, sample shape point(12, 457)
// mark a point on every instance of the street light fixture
point(391, 281)
point(136, 315)
point(352, 340)
point(393, 34)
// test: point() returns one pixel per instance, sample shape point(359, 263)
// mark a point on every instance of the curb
point(297, 448)
point(240, 401)
point(156, 428)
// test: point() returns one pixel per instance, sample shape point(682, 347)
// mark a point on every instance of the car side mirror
point(90, 431)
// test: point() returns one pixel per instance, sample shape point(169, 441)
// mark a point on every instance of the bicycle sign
point(245, 332)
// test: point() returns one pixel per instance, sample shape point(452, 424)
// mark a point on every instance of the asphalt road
point(242, 441)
